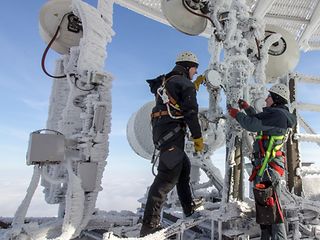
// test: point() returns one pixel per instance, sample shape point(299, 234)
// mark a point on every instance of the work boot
point(196, 203)
point(147, 229)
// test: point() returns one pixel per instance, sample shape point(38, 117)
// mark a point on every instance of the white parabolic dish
point(139, 131)
point(283, 54)
point(50, 17)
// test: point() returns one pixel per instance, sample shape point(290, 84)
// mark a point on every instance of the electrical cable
point(44, 55)
point(82, 89)
point(198, 14)
point(258, 48)
point(154, 160)
point(216, 121)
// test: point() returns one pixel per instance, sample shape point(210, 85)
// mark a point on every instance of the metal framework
point(83, 115)
point(300, 17)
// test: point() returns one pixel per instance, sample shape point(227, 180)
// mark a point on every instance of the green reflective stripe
point(266, 157)
point(278, 137)
point(259, 136)
point(270, 151)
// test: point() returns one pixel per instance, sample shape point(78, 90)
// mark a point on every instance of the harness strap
point(272, 164)
point(254, 173)
point(278, 206)
point(271, 149)
point(261, 152)
point(167, 136)
point(163, 113)
point(172, 101)
point(276, 167)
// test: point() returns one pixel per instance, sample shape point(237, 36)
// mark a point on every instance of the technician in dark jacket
point(272, 125)
point(176, 107)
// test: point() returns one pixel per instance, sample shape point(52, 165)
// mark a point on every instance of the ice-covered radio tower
point(260, 42)
point(70, 154)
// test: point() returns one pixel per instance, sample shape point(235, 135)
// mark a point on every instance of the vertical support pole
point(212, 229)
point(238, 171)
point(220, 229)
point(181, 236)
point(293, 154)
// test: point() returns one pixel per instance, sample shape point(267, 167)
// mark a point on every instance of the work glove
point(198, 81)
point(233, 112)
point(243, 104)
point(198, 144)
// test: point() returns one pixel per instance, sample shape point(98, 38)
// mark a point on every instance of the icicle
point(21, 212)
point(74, 205)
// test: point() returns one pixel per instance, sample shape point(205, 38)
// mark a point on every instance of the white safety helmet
point(187, 57)
point(281, 90)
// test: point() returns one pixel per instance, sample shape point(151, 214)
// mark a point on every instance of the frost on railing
point(305, 78)
point(307, 137)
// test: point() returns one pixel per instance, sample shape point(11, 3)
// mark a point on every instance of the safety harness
point(172, 106)
point(274, 146)
point(268, 208)
point(169, 101)
point(168, 136)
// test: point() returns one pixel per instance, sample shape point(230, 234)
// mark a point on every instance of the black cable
point(198, 14)
point(258, 48)
point(44, 55)
point(216, 121)
point(153, 172)
point(154, 161)
point(82, 89)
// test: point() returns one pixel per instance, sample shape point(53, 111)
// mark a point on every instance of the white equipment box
point(45, 148)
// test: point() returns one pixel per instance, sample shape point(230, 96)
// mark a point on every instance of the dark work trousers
point(173, 170)
point(274, 231)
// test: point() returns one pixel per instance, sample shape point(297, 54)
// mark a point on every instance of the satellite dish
point(183, 20)
point(139, 131)
point(283, 54)
point(57, 12)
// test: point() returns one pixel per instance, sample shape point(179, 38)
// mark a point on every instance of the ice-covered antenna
point(186, 16)
point(283, 54)
point(60, 28)
point(57, 14)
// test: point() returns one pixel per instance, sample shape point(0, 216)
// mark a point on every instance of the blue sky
point(141, 49)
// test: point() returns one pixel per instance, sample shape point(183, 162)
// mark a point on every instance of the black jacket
point(181, 88)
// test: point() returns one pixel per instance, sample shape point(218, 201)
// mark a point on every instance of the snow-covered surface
point(82, 114)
